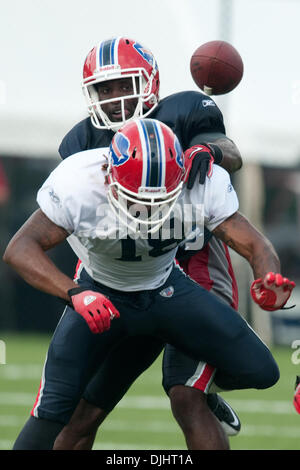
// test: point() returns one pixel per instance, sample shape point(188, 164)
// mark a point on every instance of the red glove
point(95, 308)
point(200, 159)
point(272, 292)
point(297, 395)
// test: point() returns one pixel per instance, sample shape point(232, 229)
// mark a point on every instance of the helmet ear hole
point(171, 153)
point(93, 92)
point(134, 153)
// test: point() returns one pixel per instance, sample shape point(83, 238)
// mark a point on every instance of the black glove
point(200, 159)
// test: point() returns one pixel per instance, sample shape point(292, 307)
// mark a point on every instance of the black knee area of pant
point(263, 377)
point(38, 434)
point(268, 376)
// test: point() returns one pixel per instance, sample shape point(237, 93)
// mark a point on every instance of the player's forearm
point(264, 259)
point(232, 160)
point(261, 255)
point(28, 259)
point(26, 254)
point(248, 242)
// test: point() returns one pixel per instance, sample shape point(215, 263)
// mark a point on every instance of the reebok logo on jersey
point(54, 196)
point(89, 299)
point(168, 292)
point(208, 103)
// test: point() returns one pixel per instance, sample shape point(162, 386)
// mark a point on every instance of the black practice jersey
point(187, 113)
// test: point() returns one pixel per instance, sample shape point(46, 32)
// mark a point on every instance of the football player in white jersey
point(120, 82)
point(119, 225)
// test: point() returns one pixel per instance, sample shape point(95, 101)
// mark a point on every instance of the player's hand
point(296, 400)
point(199, 159)
point(95, 308)
point(272, 292)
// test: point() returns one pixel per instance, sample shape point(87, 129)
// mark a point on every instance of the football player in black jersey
point(121, 82)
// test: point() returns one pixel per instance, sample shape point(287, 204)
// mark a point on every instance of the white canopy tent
point(43, 45)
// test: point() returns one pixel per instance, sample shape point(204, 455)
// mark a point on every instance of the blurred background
point(43, 45)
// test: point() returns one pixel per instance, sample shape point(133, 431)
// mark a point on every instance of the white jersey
point(74, 197)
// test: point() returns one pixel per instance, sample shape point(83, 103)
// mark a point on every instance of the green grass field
point(143, 419)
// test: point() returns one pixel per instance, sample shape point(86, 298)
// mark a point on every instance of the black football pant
point(181, 313)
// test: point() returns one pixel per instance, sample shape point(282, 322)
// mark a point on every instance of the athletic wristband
point(71, 292)
point(75, 291)
point(217, 153)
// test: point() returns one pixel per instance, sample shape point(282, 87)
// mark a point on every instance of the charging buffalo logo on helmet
point(120, 149)
point(114, 59)
point(145, 168)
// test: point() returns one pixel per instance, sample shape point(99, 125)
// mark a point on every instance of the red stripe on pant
point(36, 400)
point(77, 269)
point(204, 380)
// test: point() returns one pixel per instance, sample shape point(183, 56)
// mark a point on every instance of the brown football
point(216, 67)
